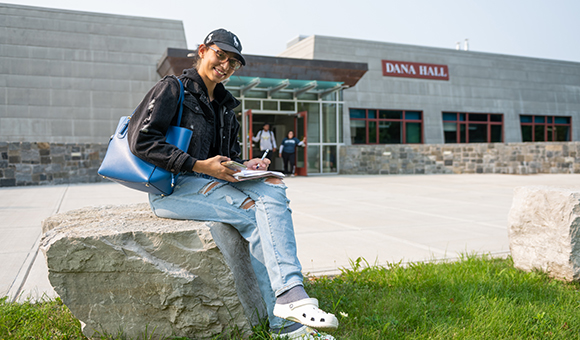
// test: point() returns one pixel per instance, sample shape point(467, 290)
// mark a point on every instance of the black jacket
point(158, 110)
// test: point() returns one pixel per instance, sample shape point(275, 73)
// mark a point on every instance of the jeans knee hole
point(208, 187)
point(275, 181)
point(248, 204)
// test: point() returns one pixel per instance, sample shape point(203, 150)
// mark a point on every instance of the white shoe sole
point(304, 333)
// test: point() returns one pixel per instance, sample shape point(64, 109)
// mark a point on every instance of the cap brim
point(232, 49)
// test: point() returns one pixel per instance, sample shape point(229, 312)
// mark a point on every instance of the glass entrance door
point(301, 128)
point(247, 139)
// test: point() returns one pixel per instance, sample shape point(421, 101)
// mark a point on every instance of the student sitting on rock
point(207, 191)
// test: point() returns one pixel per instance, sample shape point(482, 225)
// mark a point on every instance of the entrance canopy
point(297, 87)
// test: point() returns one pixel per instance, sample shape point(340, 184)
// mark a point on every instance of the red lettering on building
point(406, 69)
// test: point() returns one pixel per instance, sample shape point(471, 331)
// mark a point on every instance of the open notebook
point(245, 174)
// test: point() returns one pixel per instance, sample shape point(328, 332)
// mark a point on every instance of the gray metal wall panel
point(68, 76)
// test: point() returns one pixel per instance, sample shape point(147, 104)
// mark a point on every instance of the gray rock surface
point(123, 268)
point(544, 230)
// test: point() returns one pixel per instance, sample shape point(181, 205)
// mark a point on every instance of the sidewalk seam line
point(25, 269)
point(27, 265)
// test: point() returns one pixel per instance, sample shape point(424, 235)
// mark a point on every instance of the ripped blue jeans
point(266, 225)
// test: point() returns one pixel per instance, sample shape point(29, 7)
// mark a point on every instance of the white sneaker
point(304, 333)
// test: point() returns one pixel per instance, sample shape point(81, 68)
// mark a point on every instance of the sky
point(546, 29)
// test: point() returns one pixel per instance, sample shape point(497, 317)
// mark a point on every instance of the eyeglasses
point(234, 64)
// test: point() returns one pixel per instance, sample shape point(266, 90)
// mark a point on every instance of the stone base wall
point(31, 163)
point(497, 158)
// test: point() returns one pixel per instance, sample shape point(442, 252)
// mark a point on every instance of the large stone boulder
point(544, 230)
point(121, 268)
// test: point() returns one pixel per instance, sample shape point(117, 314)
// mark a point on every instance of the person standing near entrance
point(267, 140)
point(288, 151)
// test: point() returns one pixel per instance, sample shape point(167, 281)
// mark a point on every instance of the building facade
point(437, 99)
point(363, 107)
point(439, 83)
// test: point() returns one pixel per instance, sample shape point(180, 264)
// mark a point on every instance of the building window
point(370, 126)
point(545, 128)
point(472, 127)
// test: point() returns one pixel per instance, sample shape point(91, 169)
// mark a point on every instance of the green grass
point(49, 319)
point(473, 298)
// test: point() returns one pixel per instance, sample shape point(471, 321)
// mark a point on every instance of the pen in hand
point(263, 156)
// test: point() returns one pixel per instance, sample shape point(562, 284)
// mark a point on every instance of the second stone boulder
point(544, 230)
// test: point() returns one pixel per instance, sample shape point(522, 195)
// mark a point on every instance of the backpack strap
point(180, 101)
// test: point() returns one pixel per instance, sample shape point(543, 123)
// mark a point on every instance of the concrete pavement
point(337, 218)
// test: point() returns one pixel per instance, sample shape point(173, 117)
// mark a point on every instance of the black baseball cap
point(227, 41)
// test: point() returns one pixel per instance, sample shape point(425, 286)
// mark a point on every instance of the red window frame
point(546, 125)
point(467, 122)
point(403, 122)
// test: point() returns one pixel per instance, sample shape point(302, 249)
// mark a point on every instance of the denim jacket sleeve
point(149, 124)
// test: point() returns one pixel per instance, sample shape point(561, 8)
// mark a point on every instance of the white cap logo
point(236, 43)
point(208, 38)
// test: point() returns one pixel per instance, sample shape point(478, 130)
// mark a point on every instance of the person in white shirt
point(267, 140)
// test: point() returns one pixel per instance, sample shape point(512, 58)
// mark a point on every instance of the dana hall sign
point(405, 69)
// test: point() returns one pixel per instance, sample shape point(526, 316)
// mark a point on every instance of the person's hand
point(280, 154)
point(274, 149)
point(257, 164)
point(214, 168)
